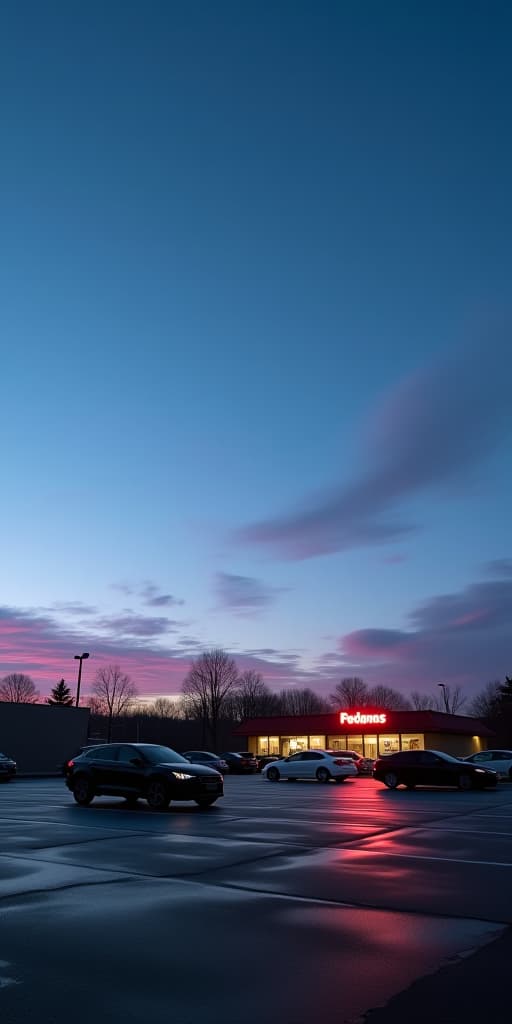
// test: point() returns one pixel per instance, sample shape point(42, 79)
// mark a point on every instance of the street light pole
point(445, 695)
point(80, 658)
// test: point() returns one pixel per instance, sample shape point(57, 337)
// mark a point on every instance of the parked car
point(499, 761)
point(141, 770)
point(364, 765)
point(205, 757)
point(263, 759)
point(63, 767)
point(240, 762)
point(7, 768)
point(413, 768)
point(312, 764)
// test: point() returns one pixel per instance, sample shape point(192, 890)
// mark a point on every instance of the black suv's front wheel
point(157, 795)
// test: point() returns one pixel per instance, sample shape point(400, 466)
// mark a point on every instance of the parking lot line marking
point(448, 860)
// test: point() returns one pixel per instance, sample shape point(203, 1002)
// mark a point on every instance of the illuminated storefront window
point(317, 742)
point(262, 745)
point(273, 744)
point(413, 741)
point(355, 743)
point(292, 744)
point(336, 742)
point(388, 744)
point(370, 746)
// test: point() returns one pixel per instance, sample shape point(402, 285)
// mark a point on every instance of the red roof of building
point(397, 721)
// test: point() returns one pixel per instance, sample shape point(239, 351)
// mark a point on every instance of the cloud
point(461, 638)
point(72, 608)
point(430, 433)
point(149, 593)
point(44, 648)
point(135, 625)
point(151, 596)
point(243, 594)
point(498, 567)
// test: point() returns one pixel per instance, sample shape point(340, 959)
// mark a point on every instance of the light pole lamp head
point(79, 657)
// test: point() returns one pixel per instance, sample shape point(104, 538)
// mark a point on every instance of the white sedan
point(499, 760)
point(311, 764)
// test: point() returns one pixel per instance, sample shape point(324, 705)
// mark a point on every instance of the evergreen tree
point(61, 696)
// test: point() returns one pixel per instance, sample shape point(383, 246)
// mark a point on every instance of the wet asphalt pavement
point(283, 904)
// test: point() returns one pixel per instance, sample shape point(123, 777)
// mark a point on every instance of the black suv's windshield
point(160, 755)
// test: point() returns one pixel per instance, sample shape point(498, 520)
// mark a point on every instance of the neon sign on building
point(361, 718)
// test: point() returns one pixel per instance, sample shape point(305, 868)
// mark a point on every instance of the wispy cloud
point(461, 638)
point(148, 593)
point(430, 433)
point(130, 625)
point(44, 647)
point(243, 594)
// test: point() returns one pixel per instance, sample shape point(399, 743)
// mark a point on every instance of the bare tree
point(163, 708)
point(486, 704)
point(388, 698)
point(113, 694)
point(422, 701)
point(18, 688)
point(451, 701)
point(251, 698)
point(211, 678)
point(351, 692)
point(301, 702)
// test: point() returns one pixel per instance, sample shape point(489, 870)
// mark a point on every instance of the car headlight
point(182, 776)
point(481, 771)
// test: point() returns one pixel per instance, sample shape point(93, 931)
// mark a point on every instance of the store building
point(370, 733)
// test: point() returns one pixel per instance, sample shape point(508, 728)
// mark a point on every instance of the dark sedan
point(240, 762)
point(205, 757)
point(413, 768)
point(7, 768)
point(141, 770)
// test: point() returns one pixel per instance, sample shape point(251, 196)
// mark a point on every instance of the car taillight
point(343, 760)
point(70, 764)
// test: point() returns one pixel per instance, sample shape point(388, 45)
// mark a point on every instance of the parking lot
point(284, 903)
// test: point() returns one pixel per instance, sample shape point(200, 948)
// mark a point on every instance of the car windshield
point(160, 755)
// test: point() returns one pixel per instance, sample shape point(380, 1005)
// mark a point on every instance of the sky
point(256, 352)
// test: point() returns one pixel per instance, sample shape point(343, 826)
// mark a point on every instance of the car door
point(292, 767)
point(501, 762)
point(311, 761)
point(128, 774)
point(103, 766)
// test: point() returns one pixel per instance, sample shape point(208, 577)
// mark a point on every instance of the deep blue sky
point(255, 300)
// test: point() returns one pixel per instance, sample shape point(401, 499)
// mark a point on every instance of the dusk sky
point(256, 340)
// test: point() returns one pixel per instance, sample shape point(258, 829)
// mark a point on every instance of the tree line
point(214, 691)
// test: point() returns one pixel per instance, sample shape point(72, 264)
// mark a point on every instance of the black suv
point(154, 773)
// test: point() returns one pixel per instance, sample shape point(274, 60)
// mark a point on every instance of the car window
point(484, 756)
point(501, 755)
point(104, 753)
point(428, 757)
point(126, 754)
point(313, 755)
point(295, 757)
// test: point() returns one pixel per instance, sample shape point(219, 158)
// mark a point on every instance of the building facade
point(370, 733)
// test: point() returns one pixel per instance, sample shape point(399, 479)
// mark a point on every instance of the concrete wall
point(40, 737)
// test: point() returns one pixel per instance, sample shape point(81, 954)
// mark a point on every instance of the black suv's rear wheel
point(157, 795)
point(83, 791)
point(391, 780)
